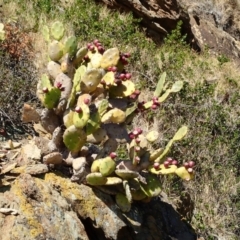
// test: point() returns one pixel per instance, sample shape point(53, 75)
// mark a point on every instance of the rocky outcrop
point(53, 207)
point(210, 24)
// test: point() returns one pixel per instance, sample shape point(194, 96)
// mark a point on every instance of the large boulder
point(53, 207)
point(210, 24)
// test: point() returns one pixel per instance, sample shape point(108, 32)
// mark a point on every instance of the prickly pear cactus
point(93, 99)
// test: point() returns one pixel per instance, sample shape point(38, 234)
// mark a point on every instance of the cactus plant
point(89, 91)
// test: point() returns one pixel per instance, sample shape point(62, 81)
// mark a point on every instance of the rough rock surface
point(53, 207)
point(212, 24)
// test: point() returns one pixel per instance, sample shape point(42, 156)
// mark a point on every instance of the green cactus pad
point(113, 181)
point(109, 78)
point(68, 118)
point(55, 50)
point(165, 152)
point(153, 186)
point(57, 30)
point(97, 136)
point(126, 174)
point(160, 84)
point(127, 190)
point(96, 60)
point(96, 179)
point(80, 119)
point(95, 166)
point(162, 170)
point(74, 138)
point(183, 173)
point(70, 46)
point(45, 32)
point(177, 86)
point(114, 116)
point(102, 107)
point(93, 125)
point(138, 195)
point(51, 98)
point(66, 83)
point(110, 58)
point(90, 80)
point(45, 81)
point(155, 154)
point(107, 166)
point(123, 202)
point(53, 69)
point(126, 89)
point(81, 53)
point(76, 84)
point(180, 134)
point(152, 136)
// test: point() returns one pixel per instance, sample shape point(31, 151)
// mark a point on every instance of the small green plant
point(89, 90)
point(222, 59)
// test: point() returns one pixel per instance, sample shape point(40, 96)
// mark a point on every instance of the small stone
point(29, 114)
point(53, 158)
point(79, 163)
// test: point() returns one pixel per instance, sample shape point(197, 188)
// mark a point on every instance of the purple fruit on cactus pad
point(154, 107)
point(137, 92)
point(122, 76)
point(191, 164)
point(190, 170)
point(45, 90)
point(86, 58)
point(100, 49)
point(135, 133)
point(156, 165)
point(139, 130)
point(127, 55)
point(131, 135)
point(88, 45)
point(59, 85)
point(118, 81)
point(128, 75)
point(96, 41)
point(133, 96)
point(91, 48)
point(78, 109)
point(113, 155)
point(174, 162)
point(109, 69)
point(186, 165)
point(137, 140)
point(137, 159)
point(86, 101)
point(137, 148)
point(103, 82)
point(166, 164)
point(169, 159)
point(114, 69)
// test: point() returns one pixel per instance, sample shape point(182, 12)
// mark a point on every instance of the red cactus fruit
point(78, 109)
point(113, 155)
point(45, 90)
point(156, 165)
point(186, 165)
point(191, 164)
point(166, 164)
point(128, 75)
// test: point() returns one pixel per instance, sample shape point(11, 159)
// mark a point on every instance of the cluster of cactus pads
point(89, 99)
